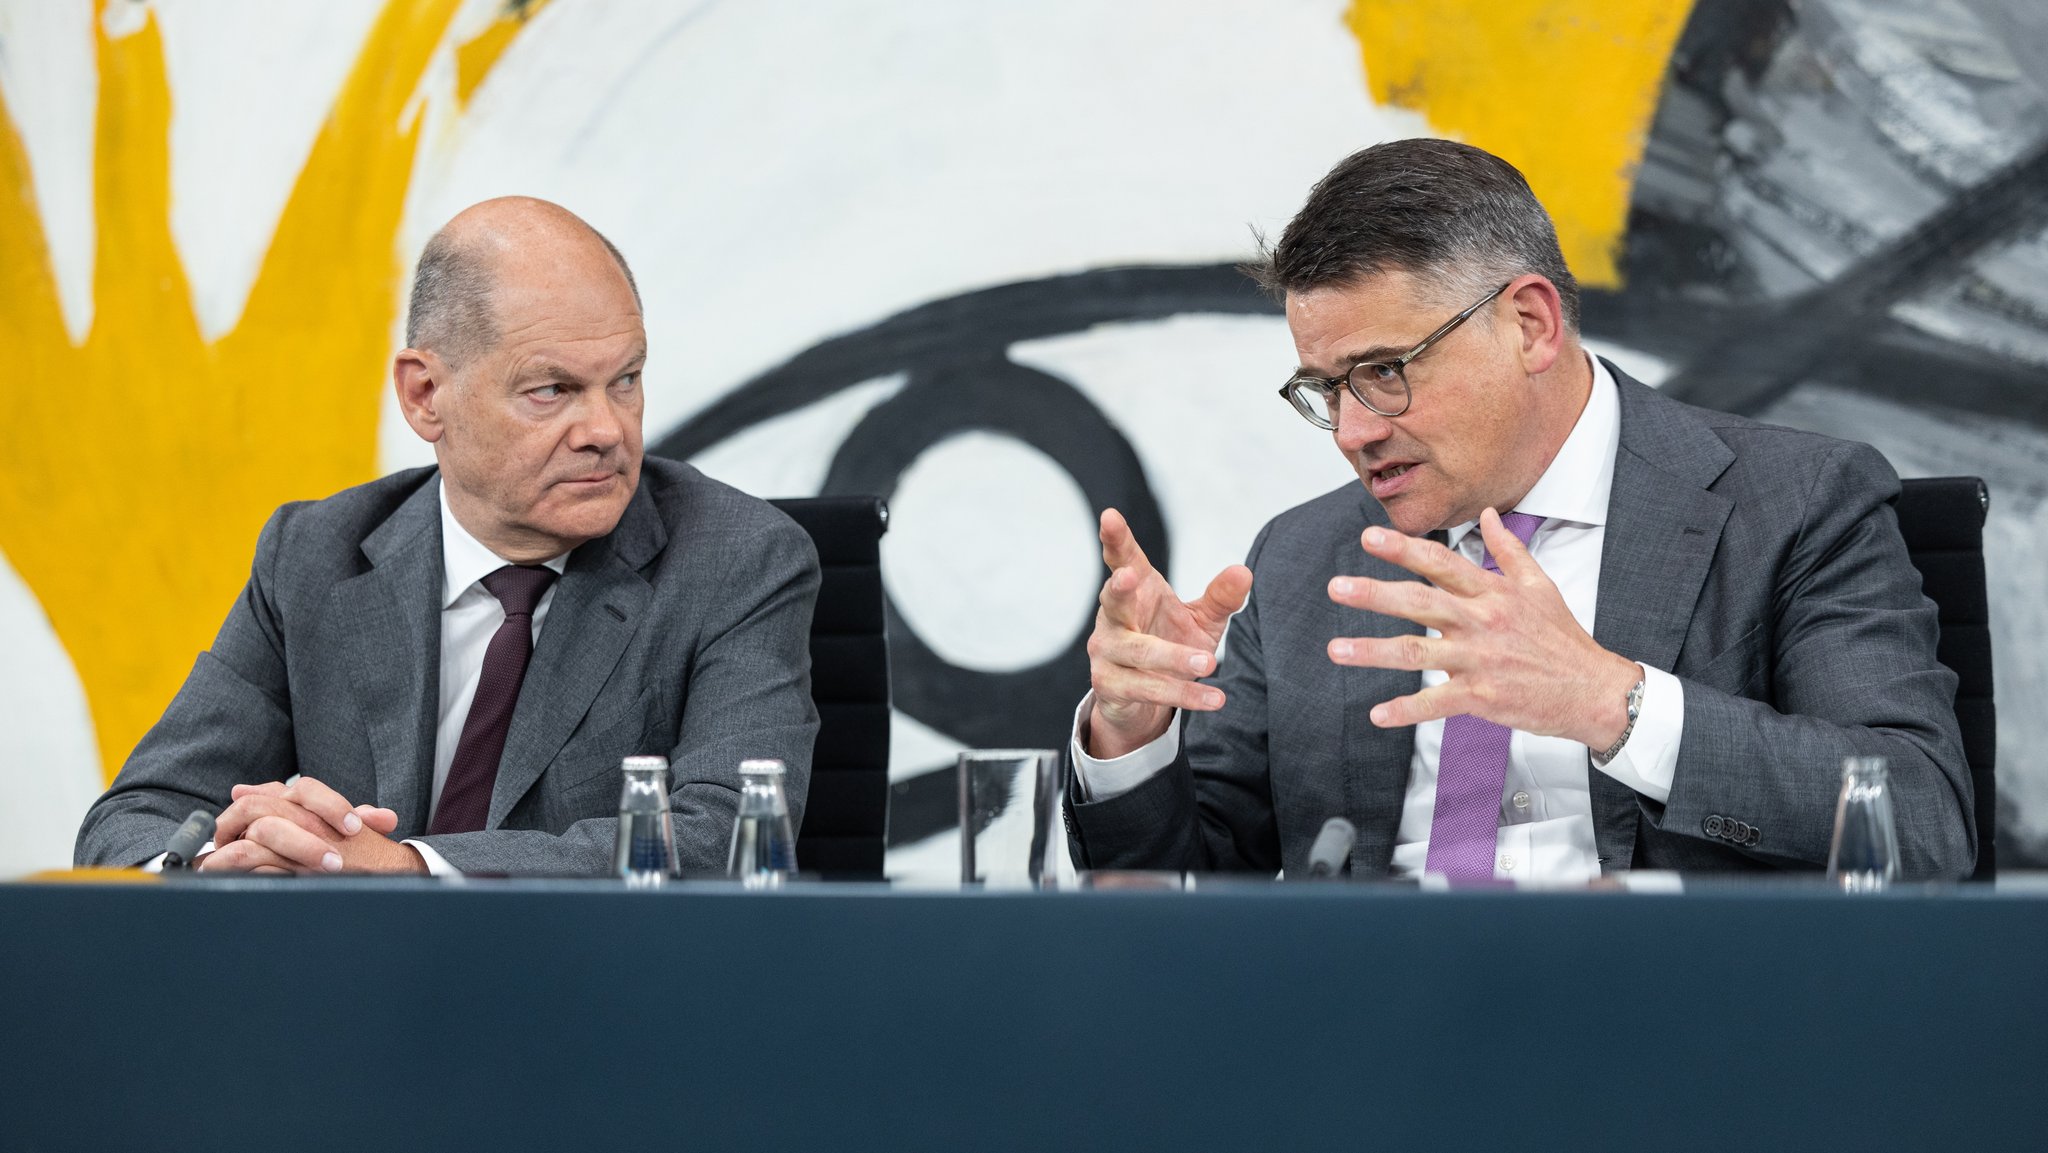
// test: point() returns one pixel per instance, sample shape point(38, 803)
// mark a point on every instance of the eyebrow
point(1378, 352)
point(550, 370)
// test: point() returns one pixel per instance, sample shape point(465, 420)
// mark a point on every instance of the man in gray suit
point(1566, 625)
point(440, 671)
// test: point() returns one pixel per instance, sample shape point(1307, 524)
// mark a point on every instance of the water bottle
point(645, 853)
point(1864, 856)
point(763, 842)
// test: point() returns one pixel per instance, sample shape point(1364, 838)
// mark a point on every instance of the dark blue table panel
point(579, 1016)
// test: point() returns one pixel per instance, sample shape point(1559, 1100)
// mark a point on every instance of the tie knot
point(1521, 524)
point(519, 587)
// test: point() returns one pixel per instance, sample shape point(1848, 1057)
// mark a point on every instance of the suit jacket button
point(1755, 835)
point(1713, 825)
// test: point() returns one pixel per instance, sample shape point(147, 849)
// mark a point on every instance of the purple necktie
point(1471, 773)
point(466, 797)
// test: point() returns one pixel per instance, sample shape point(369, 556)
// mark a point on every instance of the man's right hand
point(1149, 647)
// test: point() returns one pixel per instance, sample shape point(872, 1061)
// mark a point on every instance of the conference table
point(529, 1014)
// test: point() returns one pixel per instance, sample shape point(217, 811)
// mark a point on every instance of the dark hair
point(1454, 214)
point(450, 311)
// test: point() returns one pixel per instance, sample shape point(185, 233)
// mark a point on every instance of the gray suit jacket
point(685, 632)
point(1761, 565)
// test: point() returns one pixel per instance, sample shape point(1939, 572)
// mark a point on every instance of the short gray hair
point(450, 311)
point(1458, 216)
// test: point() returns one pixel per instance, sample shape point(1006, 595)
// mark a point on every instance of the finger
point(1509, 554)
point(1413, 652)
point(1119, 547)
point(1431, 704)
point(244, 857)
point(323, 802)
point(297, 846)
point(1135, 650)
point(1128, 685)
point(267, 789)
point(383, 821)
point(1415, 601)
point(1224, 596)
point(1425, 558)
point(255, 807)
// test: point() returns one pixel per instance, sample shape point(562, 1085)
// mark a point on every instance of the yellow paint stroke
point(475, 57)
point(137, 467)
point(1563, 89)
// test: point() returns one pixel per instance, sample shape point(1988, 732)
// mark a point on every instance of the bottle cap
point(631, 764)
point(767, 765)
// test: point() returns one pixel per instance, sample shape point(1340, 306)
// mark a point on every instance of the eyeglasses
point(1380, 385)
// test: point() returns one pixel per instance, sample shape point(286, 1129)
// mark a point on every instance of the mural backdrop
point(978, 258)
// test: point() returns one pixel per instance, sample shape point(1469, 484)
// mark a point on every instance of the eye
point(545, 392)
point(1376, 373)
point(628, 382)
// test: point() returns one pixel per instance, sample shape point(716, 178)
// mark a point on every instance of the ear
point(422, 381)
point(1539, 313)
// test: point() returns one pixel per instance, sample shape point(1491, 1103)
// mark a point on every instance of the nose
point(600, 425)
point(1358, 426)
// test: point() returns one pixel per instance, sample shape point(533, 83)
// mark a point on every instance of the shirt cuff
point(1102, 780)
point(437, 865)
point(1649, 761)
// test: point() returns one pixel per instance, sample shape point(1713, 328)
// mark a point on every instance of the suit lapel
point(1663, 527)
point(598, 606)
point(1375, 760)
point(393, 647)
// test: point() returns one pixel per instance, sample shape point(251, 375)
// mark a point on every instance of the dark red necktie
point(466, 797)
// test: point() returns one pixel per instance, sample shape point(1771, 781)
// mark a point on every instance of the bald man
point(440, 671)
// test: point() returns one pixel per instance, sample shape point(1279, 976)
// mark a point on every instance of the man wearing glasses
point(1566, 625)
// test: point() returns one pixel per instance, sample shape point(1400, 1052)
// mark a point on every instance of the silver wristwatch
point(1635, 709)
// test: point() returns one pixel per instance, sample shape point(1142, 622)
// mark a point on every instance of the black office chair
point(846, 816)
point(1942, 519)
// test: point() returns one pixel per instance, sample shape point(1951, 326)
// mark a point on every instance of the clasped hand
point(305, 827)
point(1513, 651)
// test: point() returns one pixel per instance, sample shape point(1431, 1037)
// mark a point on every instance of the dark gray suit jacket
point(1760, 565)
point(684, 632)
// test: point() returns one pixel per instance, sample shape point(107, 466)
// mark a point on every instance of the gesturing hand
point(1515, 654)
point(1149, 646)
point(305, 827)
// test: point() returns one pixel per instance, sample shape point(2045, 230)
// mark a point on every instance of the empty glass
point(1864, 856)
point(1011, 834)
point(763, 841)
point(645, 853)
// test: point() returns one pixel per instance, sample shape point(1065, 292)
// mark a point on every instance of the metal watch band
point(1635, 709)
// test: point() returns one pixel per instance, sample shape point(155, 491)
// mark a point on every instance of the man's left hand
point(1514, 653)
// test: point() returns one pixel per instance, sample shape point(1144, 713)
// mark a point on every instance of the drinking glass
point(1011, 833)
point(1864, 856)
point(645, 852)
point(763, 842)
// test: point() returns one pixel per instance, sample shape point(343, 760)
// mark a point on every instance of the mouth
point(1389, 480)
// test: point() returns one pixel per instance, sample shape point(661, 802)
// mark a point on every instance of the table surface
point(527, 1014)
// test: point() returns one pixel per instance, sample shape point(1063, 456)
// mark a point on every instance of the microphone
point(1332, 848)
point(187, 841)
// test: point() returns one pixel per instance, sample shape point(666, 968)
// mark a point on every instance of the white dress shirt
point(470, 616)
point(1546, 831)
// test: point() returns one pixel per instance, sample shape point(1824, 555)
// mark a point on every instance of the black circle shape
point(1032, 706)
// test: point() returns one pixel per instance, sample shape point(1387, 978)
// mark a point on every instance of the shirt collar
point(1576, 486)
point(465, 560)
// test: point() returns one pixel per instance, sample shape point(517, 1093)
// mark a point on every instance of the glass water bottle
point(763, 841)
point(645, 854)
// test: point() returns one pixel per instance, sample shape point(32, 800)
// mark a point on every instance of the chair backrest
point(1942, 519)
point(846, 812)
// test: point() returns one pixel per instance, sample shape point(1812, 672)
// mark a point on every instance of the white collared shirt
point(470, 616)
point(1546, 831)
